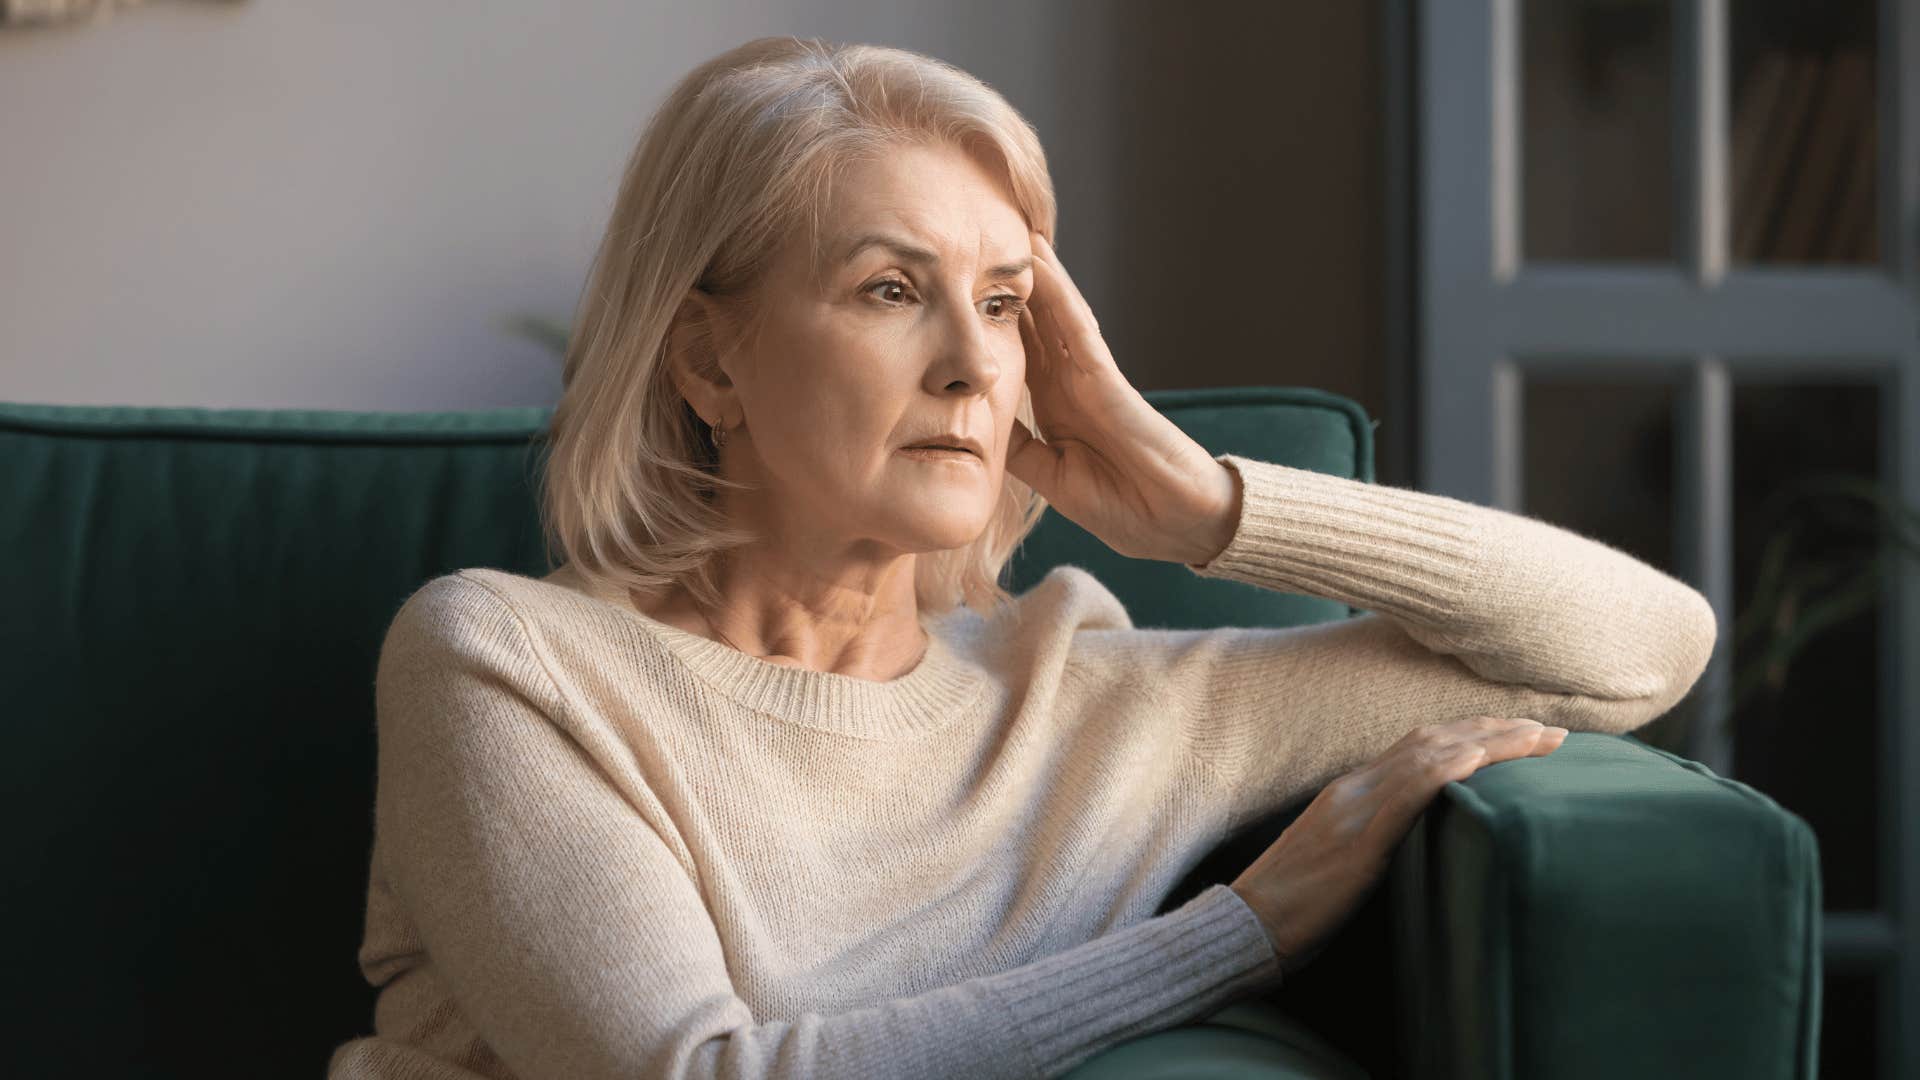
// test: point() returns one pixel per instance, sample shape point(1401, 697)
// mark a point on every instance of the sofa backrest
point(193, 606)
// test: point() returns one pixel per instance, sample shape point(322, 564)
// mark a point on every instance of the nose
point(966, 363)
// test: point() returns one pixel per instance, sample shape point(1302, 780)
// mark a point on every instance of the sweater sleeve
point(1468, 610)
point(576, 941)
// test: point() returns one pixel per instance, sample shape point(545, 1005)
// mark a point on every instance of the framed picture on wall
point(20, 13)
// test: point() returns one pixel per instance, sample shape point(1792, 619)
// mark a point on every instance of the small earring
point(719, 436)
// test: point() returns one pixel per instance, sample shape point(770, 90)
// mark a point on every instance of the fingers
point(1043, 253)
point(1549, 741)
point(1076, 300)
point(1512, 737)
point(1039, 359)
point(1043, 308)
point(1429, 758)
point(1063, 312)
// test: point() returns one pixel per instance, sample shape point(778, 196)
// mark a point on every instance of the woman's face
point(912, 333)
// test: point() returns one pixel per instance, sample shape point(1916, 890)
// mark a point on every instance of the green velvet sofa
point(193, 604)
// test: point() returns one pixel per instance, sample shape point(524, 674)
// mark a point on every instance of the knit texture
point(607, 847)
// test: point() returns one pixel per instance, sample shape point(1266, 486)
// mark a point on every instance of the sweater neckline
point(942, 687)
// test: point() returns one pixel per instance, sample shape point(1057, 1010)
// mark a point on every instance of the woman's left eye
point(1010, 307)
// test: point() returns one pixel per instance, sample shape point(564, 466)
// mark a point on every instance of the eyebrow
point(912, 253)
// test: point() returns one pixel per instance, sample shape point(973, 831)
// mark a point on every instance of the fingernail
point(1556, 731)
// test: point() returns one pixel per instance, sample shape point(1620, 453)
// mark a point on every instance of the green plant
point(541, 330)
point(1794, 601)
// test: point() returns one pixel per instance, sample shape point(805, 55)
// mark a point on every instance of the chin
point(940, 516)
point(945, 533)
point(948, 539)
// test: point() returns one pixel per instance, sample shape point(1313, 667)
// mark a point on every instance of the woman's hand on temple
point(1110, 461)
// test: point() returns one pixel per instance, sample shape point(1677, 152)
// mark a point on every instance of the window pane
point(1595, 119)
point(1803, 167)
point(1600, 461)
point(1850, 1024)
point(1806, 640)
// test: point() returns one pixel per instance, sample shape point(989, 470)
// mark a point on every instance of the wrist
point(1254, 904)
point(1225, 521)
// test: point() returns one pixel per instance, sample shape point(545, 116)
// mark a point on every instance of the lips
point(949, 441)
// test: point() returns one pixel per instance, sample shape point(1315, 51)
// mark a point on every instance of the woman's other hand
point(1325, 863)
point(1110, 461)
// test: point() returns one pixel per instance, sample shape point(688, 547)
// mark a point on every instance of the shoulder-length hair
point(742, 153)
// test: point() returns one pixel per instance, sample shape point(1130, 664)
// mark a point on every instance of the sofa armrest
point(1610, 909)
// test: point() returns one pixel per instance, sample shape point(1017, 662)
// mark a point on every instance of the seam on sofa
point(503, 427)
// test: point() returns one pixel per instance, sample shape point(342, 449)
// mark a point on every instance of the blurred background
point(1644, 269)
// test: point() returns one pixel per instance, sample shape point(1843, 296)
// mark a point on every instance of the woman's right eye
point(890, 283)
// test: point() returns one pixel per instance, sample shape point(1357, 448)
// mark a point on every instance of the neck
point(866, 626)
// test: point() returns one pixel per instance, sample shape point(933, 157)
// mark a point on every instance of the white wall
point(335, 205)
point(273, 204)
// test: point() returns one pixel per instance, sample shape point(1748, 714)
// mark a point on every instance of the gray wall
point(272, 204)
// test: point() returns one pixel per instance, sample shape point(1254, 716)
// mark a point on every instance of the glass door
point(1666, 296)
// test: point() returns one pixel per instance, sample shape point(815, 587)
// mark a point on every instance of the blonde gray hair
point(741, 155)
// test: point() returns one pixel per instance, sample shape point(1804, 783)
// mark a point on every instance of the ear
point(695, 355)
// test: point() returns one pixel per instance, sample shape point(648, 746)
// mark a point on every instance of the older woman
point(772, 778)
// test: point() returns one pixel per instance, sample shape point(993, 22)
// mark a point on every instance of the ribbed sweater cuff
point(1394, 550)
point(1172, 968)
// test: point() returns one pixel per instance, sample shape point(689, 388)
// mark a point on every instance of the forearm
point(1518, 600)
point(1041, 1019)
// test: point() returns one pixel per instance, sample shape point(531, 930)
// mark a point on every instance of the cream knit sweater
point(609, 848)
